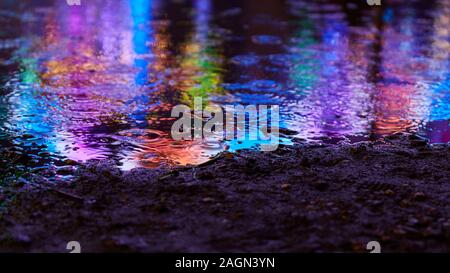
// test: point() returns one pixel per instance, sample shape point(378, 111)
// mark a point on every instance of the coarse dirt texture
point(301, 198)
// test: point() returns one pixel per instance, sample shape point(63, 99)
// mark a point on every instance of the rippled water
point(99, 80)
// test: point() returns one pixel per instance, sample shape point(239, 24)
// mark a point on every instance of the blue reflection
point(142, 36)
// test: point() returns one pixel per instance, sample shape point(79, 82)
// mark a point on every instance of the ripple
point(245, 60)
point(264, 86)
point(266, 40)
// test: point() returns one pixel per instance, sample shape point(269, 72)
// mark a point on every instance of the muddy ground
point(302, 198)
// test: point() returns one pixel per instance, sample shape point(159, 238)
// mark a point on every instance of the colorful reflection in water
point(99, 80)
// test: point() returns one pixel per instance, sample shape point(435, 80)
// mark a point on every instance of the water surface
point(99, 80)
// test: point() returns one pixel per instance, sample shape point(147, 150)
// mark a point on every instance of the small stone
point(404, 203)
point(227, 155)
point(376, 203)
point(420, 196)
point(285, 186)
point(413, 221)
point(389, 192)
point(446, 225)
point(208, 200)
point(70, 162)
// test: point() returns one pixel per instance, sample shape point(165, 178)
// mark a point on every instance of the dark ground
point(306, 198)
